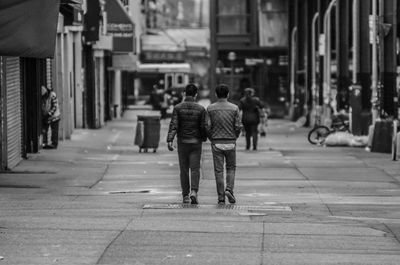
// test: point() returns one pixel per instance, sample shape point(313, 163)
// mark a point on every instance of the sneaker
point(193, 197)
point(221, 202)
point(229, 195)
point(186, 199)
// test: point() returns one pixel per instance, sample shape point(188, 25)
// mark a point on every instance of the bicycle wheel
point(318, 134)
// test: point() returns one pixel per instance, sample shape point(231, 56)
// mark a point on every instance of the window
point(233, 17)
point(179, 79)
point(273, 20)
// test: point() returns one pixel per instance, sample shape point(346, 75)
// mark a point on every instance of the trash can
point(148, 132)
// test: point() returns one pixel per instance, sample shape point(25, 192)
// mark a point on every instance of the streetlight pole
point(231, 58)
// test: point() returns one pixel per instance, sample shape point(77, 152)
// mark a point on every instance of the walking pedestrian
point(223, 128)
point(50, 117)
point(187, 123)
point(252, 109)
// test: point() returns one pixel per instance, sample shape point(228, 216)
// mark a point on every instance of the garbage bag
point(139, 133)
point(338, 139)
point(359, 141)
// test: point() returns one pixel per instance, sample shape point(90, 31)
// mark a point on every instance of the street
point(97, 200)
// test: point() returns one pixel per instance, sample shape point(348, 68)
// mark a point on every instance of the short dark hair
point(222, 91)
point(191, 90)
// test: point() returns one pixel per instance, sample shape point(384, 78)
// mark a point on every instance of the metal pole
point(374, 84)
point(315, 95)
point(293, 66)
point(231, 75)
point(356, 43)
point(327, 57)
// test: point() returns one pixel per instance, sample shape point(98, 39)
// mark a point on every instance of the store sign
point(163, 56)
point(321, 45)
point(253, 61)
point(120, 27)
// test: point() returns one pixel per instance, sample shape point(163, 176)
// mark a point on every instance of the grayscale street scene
point(248, 132)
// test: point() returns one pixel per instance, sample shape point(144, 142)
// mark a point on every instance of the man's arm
point(207, 124)
point(237, 123)
point(53, 103)
point(203, 130)
point(173, 126)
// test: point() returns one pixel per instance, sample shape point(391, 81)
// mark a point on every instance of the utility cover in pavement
point(225, 207)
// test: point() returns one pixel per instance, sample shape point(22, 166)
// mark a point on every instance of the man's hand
point(170, 146)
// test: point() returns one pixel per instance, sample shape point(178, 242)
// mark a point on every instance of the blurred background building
point(249, 43)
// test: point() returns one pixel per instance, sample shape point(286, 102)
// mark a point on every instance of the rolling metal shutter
point(14, 111)
point(49, 73)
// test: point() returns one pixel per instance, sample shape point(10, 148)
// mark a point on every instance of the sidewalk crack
point(114, 239)
point(102, 177)
point(262, 244)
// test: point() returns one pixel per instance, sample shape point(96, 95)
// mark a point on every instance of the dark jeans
point(251, 132)
point(219, 157)
point(189, 158)
point(54, 132)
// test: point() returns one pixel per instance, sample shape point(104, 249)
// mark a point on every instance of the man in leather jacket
point(187, 123)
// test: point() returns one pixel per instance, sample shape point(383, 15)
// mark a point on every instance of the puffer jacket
point(223, 122)
point(187, 122)
point(50, 108)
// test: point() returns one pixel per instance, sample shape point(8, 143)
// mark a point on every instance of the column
point(117, 94)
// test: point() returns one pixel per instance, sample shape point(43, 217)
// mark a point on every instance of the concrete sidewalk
point(97, 200)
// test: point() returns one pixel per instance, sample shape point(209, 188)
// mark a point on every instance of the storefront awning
point(164, 68)
point(77, 4)
point(28, 27)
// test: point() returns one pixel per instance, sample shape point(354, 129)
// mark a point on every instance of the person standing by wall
point(50, 117)
point(251, 108)
point(223, 128)
point(187, 123)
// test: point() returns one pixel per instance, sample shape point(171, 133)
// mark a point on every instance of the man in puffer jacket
point(223, 128)
point(187, 123)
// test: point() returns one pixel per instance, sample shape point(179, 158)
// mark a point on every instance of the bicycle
point(319, 133)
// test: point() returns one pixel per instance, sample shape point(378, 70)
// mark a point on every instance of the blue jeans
point(219, 157)
point(189, 158)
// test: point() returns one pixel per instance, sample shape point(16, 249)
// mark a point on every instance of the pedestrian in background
point(51, 116)
point(187, 123)
point(252, 109)
point(223, 128)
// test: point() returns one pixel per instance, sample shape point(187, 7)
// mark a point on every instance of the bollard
point(115, 110)
point(394, 141)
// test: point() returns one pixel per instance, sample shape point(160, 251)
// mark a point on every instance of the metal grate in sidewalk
point(222, 207)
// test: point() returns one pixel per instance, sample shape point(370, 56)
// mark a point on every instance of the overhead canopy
point(28, 27)
point(164, 68)
point(77, 4)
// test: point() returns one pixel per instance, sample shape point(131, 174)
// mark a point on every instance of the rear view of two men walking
point(193, 124)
